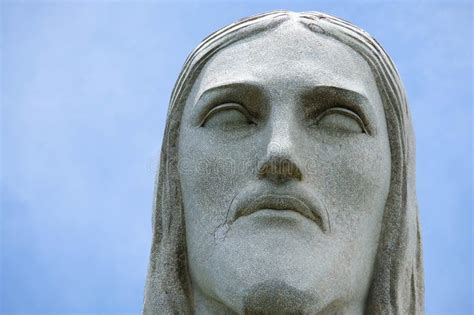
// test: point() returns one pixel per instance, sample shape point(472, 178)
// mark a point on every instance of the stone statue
point(287, 179)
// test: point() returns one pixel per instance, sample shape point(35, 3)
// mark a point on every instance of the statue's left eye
point(227, 116)
point(341, 119)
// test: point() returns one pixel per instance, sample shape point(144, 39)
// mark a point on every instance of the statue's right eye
point(229, 116)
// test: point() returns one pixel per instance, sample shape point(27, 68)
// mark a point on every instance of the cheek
point(354, 177)
point(212, 172)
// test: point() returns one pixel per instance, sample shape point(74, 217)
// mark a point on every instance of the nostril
point(279, 170)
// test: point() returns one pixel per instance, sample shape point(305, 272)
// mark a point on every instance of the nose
point(279, 170)
point(279, 164)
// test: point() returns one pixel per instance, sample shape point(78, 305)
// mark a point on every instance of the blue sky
point(84, 94)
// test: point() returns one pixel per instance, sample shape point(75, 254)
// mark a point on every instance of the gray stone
point(287, 180)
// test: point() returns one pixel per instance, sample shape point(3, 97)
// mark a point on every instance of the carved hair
point(397, 285)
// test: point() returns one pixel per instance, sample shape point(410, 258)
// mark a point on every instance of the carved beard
point(276, 297)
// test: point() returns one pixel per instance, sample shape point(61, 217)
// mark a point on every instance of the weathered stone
point(286, 183)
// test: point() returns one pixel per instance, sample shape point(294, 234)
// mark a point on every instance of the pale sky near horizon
point(84, 95)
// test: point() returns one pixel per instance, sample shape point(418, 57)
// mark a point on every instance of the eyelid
point(226, 106)
point(344, 111)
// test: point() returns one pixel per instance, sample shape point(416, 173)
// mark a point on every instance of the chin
point(276, 268)
point(276, 297)
point(272, 278)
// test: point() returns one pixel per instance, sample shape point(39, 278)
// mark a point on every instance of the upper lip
point(252, 203)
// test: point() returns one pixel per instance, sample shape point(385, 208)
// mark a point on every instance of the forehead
point(289, 53)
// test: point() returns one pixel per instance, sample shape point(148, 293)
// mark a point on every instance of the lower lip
point(278, 216)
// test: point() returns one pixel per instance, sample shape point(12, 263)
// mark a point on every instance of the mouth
point(281, 203)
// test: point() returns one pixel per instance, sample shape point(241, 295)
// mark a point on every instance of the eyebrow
point(331, 89)
point(239, 87)
point(256, 87)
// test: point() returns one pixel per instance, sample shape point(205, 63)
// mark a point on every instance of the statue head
point(286, 183)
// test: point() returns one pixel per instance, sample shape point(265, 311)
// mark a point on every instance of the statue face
point(284, 165)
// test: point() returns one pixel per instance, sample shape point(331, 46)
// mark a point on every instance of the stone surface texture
point(286, 183)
